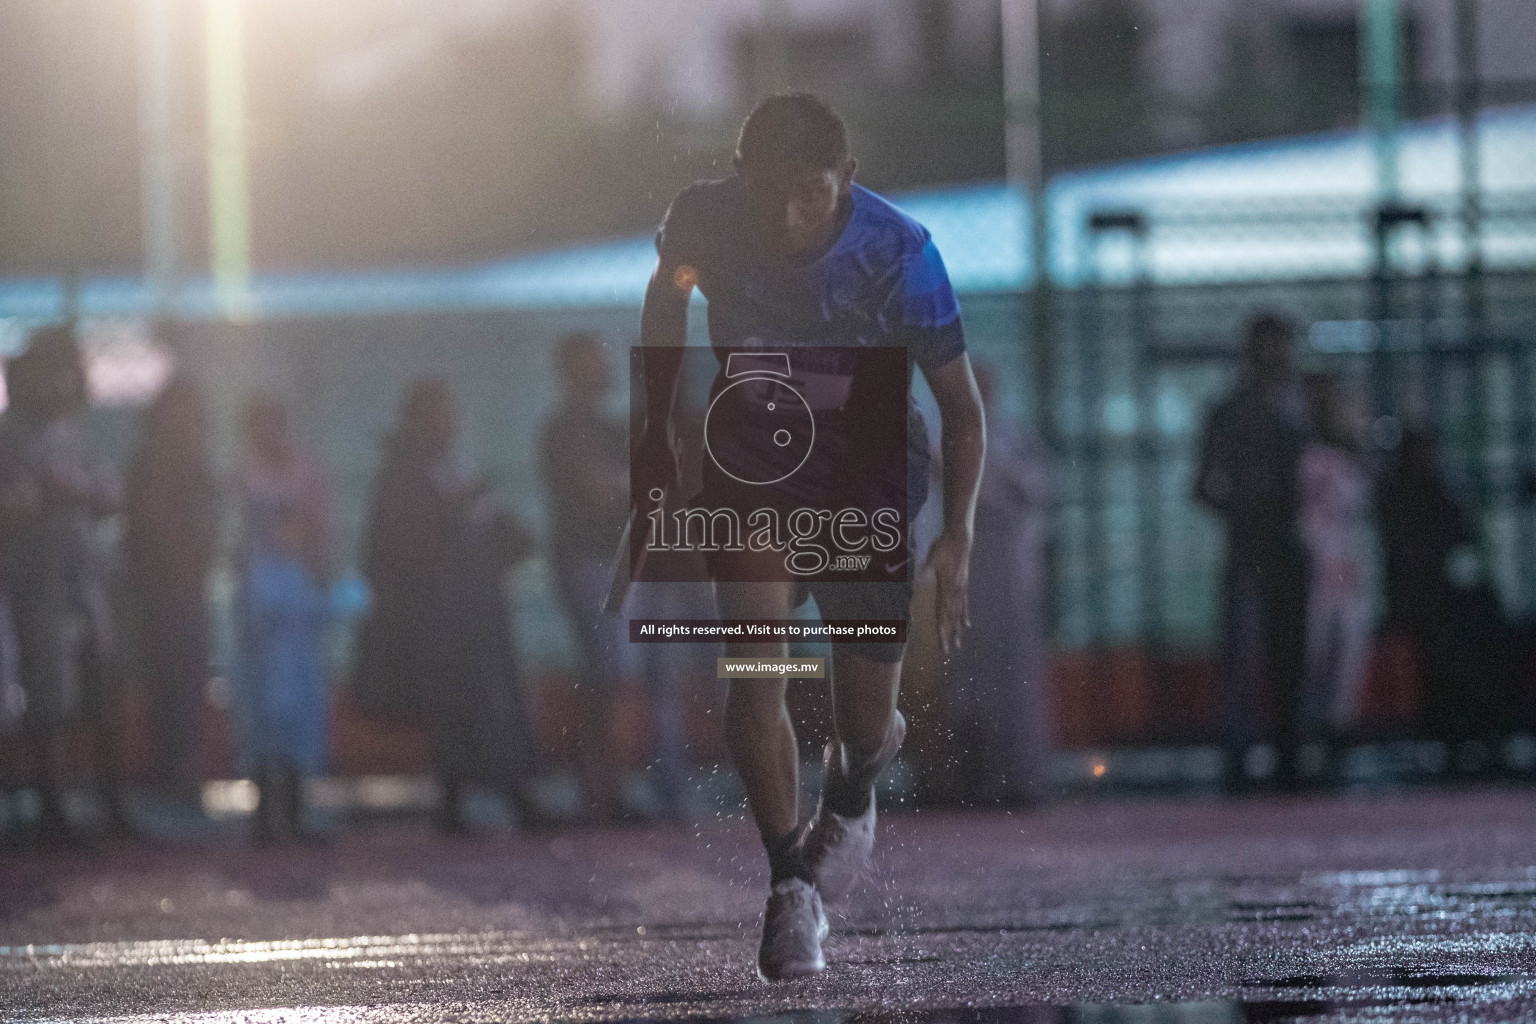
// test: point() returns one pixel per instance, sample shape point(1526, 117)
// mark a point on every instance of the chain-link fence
point(1119, 392)
point(1156, 267)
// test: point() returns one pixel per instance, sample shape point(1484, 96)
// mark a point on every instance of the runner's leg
point(864, 695)
point(758, 729)
point(762, 742)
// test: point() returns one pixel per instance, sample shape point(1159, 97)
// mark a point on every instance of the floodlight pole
point(1024, 155)
point(1021, 93)
point(1381, 74)
point(229, 216)
point(157, 168)
point(1468, 99)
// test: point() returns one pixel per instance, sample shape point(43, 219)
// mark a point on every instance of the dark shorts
point(866, 600)
point(836, 599)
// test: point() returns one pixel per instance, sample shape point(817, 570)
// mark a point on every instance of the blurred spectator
point(439, 637)
point(170, 538)
point(1335, 506)
point(663, 669)
point(584, 458)
point(283, 610)
point(58, 490)
point(1472, 663)
point(16, 501)
point(999, 706)
point(19, 502)
point(1250, 456)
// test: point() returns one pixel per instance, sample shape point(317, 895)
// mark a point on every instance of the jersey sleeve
point(928, 312)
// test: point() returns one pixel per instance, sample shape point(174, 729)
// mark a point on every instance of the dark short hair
point(1269, 329)
point(795, 128)
point(423, 395)
point(54, 350)
point(1268, 340)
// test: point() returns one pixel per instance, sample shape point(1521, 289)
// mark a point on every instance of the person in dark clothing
point(56, 568)
point(170, 538)
point(18, 501)
point(1438, 597)
point(583, 455)
point(439, 638)
point(1248, 474)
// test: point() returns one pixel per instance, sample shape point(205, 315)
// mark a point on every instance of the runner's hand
point(950, 557)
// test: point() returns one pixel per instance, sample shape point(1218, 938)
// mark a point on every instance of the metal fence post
point(1388, 218)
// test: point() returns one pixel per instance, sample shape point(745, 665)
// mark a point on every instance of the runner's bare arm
point(963, 440)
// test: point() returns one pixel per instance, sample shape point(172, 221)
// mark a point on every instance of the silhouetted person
point(170, 539)
point(18, 501)
point(999, 703)
point(1250, 454)
point(1440, 599)
point(60, 490)
point(283, 610)
point(584, 458)
point(1334, 515)
point(440, 634)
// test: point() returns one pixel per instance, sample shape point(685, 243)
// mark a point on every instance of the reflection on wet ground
point(1387, 995)
point(1443, 1004)
point(1345, 908)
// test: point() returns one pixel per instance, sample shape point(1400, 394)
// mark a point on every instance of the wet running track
point(1404, 906)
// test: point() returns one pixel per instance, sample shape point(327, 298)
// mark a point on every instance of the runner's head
point(792, 156)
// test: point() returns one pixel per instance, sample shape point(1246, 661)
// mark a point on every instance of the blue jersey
point(881, 282)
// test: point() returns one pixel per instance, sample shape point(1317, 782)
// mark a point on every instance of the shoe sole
point(800, 969)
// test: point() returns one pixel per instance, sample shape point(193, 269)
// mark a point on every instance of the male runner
point(788, 252)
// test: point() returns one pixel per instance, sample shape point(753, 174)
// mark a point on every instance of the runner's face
point(793, 209)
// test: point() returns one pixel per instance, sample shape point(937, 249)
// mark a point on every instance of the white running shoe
point(837, 849)
point(794, 926)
